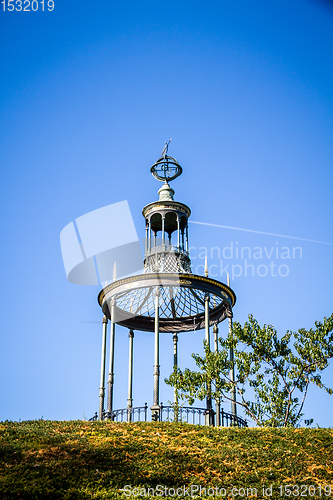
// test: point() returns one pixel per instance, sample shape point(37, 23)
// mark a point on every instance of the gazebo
point(168, 298)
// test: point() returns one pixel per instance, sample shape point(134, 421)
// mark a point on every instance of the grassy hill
point(85, 460)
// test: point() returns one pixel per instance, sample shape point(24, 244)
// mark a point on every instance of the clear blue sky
point(89, 94)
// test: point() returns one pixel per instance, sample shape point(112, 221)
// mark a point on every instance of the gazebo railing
point(135, 414)
point(166, 248)
point(229, 420)
point(188, 414)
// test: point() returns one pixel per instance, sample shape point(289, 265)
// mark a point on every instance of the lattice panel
point(174, 302)
point(167, 263)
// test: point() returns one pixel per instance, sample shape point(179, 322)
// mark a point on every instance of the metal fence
point(135, 414)
point(192, 415)
point(230, 420)
point(188, 414)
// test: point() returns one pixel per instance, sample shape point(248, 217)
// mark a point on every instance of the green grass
point(84, 460)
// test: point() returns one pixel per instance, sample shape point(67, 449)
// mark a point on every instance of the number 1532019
point(27, 5)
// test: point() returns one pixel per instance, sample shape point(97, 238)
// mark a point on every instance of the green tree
point(278, 370)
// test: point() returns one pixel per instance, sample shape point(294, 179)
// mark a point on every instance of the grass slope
point(84, 460)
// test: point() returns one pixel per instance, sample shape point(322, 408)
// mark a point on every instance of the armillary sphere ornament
point(166, 168)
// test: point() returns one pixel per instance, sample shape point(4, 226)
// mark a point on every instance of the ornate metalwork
point(193, 415)
point(167, 259)
point(166, 168)
point(165, 149)
point(188, 414)
point(182, 301)
point(134, 414)
point(166, 206)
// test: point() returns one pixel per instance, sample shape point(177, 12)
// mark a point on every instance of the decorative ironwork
point(165, 149)
point(181, 304)
point(163, 205)
point(231, 420)
point(135, 414)
point(186, 302)
point(188, 414)
point(166, 168)
point(166, 260)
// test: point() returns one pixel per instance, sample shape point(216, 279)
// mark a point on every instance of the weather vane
point(165, 149)
point(166, 168)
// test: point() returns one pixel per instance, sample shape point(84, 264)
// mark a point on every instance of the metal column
point(149, 235)
point(163, 225)
point(207, 337)
point(175, 366)
point(186, 237)
point(216, 350)
point(155, 409)
point(209, 411)
point(178, 232)
point(102, 380)
point(111, 361)
point(130, 376)
point(232, 369)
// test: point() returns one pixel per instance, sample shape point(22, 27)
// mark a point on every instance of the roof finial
point(115, 271)
point(206, 267)
point(165, 149)
point(166, 168)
